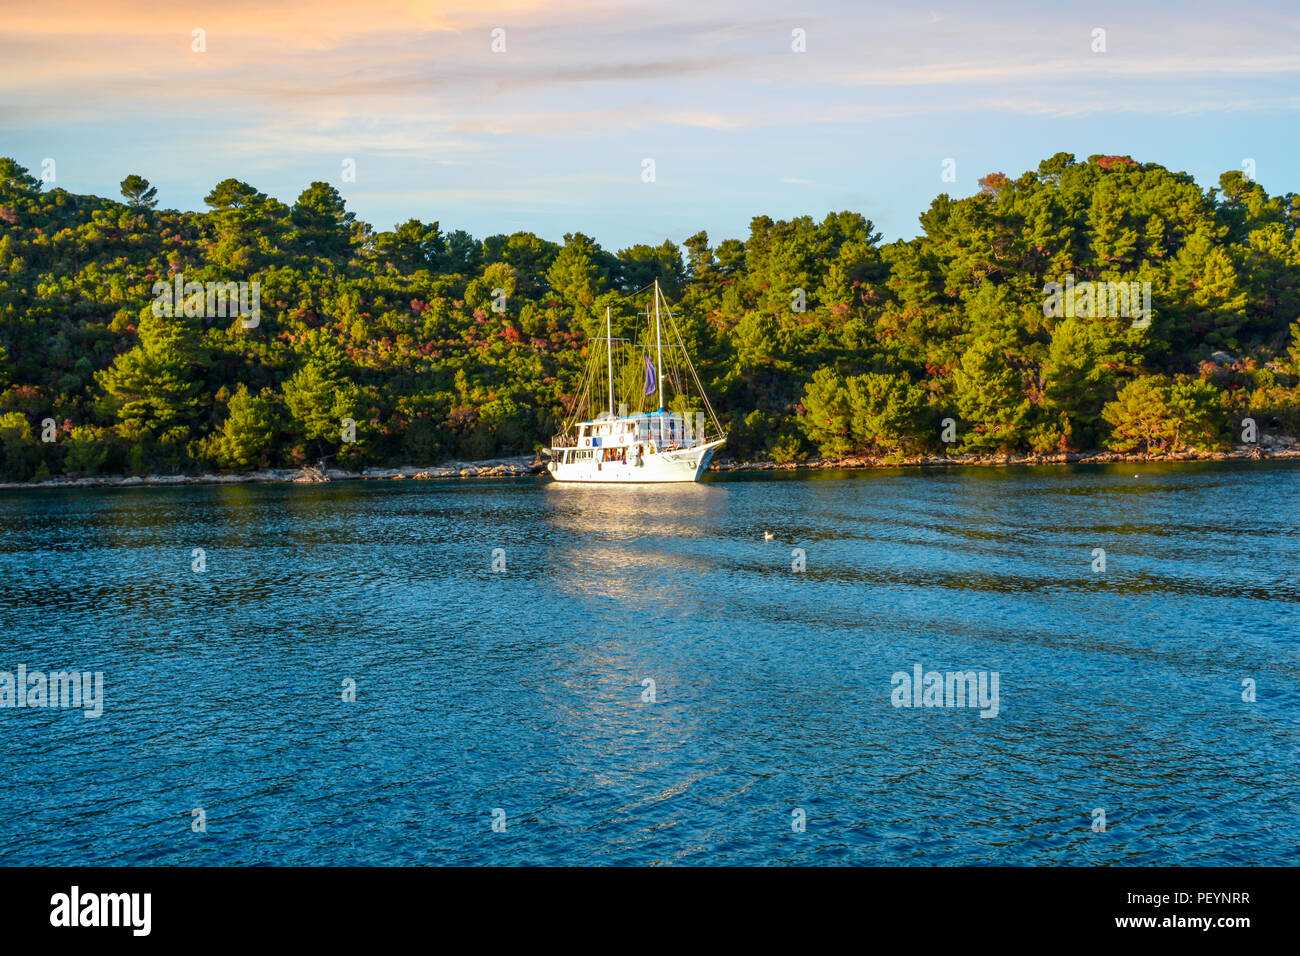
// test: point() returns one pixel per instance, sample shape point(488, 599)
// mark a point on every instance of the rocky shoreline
point(520, 466)
point(1268, 448)
point(526, 465)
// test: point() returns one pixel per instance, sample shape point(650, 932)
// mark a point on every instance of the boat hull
point(681, 465)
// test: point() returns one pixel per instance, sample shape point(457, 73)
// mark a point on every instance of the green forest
point(812, 338)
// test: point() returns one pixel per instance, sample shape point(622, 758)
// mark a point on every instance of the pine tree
point(246, 435)
point(574, 275)
point(318, 401)
point(1140, 417)
point(890, 414)
point(139, 194)
point(321, 222)
point(152, 390)
point(990, 396)
point(1153, 414)
point(1076, 383)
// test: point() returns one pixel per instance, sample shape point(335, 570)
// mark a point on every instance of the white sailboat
point(666, 444)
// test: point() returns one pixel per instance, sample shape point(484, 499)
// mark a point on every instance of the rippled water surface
point(522, 690)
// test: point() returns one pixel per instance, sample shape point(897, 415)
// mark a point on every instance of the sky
point(552, 131)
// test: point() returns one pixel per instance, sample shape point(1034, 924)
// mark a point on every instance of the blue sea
point(550, 674)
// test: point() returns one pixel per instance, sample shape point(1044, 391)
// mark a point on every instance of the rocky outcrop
point(498, 468)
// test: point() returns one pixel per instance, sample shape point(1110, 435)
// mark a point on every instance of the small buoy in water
point(768, 536)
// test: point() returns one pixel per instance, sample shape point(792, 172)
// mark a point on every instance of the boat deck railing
point(667, 442)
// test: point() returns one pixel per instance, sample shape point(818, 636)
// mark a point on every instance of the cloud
point(75, 60)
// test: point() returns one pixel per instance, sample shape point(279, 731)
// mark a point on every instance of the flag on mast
point(651, 379)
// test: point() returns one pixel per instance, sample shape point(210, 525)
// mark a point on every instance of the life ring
point(586, 443)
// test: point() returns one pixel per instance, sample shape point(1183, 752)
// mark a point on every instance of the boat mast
point(659, 348)
point(609, 343)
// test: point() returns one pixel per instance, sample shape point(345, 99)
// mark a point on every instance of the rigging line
point(703, 395)
point(584, 388)
point(628, 295)
point(694, 376)
point(672, 371)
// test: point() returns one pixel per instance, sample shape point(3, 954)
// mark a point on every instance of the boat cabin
point(609, 439)
point(660, 427)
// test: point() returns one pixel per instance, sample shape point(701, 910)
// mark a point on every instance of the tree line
point(811, 337)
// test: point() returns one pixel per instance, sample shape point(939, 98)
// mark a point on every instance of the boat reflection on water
point(635, 511)
point(628, 543)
